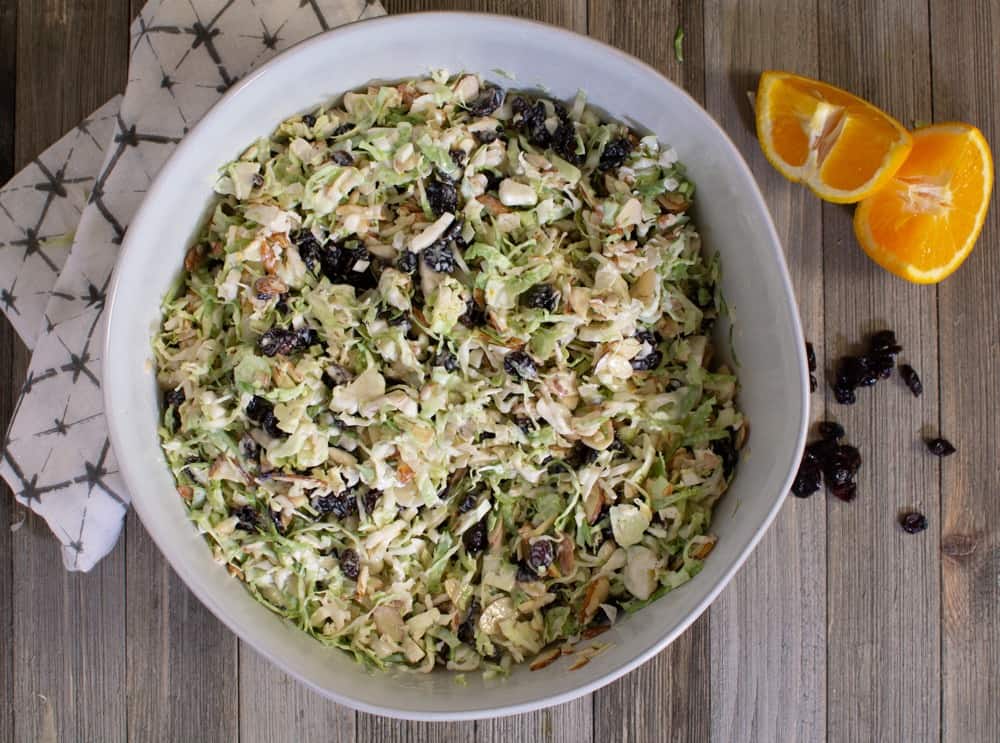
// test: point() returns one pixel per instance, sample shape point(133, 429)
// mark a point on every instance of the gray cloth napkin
point(62, 220)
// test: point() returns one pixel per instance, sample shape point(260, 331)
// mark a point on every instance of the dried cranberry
point(447, 360)
point(248, 518)
point(441, 194)
point(439, 257)
point(882, 339)
point(810, 356)
point(912, 379)
point(913, 522)
point(490, 98)
point(940, 447)
point(541, 296)
point(582, 455)
point(309, 120)
point(309, 249)
point(845, 491)
point(525, 574)
point(882, 363)
point(844, 395)
point(458, 157)
point(474, 315)
point(486, 136)
point(258, 409)
point(807, 480)
point(342, 157)
point(842, 465)
point(854, 371)
point(492, 180)
point(521, 365)
point(370, 499)
point(350, 563)
point(821, 451)
point(541, 554)
point(349, 264)
point(726, 451)
point(614, 154)
point(173, 398)
point(468, 503)
point(341, 505)
point(249, 448)
point(831, 430)
point(467, 629)
point(475, 538)
point(648, 362)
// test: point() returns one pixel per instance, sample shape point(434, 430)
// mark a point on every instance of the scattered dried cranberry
point(913, 522)
point(309, 249)
point(468, 503)
point(940, 447)
point(846, 491)
point(475, 538)
point(807, 480)
point(581, 455)
point(810, 356)
point(350, 264)
point(840, 468)
point(831, 430)
point(350, 563)
point(467, 630)
point(541, 554)
point(521, 365)
point(882, 363)
point(474, 315)
point(261, 412)
point(912, 379)
point(370, 499)
point(525, 574)
point(844, 395)
point(725, 449)
point(309, 120)
point(882, 339)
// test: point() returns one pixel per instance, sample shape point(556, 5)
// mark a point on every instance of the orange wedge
point(923, 224)
point(840, 146)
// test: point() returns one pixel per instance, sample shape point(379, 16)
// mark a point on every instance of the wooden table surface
point(840, 627)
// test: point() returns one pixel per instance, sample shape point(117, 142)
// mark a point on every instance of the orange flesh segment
point(838, 144)
point(926, 220)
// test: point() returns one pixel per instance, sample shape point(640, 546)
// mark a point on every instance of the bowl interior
point(731, 214)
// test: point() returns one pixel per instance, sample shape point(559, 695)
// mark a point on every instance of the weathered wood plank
point(13, 362)
point(569, 13)
point(769, 626)
point(883, 585)
point(372, 729)
point(666, 699)
point(183, 672)
point(274, 706)
point(965, 59)
point(67, 629)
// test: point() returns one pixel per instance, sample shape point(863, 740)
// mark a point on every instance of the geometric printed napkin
point(62, 220)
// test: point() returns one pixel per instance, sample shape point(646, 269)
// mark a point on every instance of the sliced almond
point(493, 205)
point(186, 492)
point(193, 258)
point(597, 593)
point(702, 550)
point(545, 658)
point(567, 560)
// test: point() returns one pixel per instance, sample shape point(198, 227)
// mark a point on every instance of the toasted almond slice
point(545, 658)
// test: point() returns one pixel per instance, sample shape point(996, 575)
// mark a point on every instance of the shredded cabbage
point(439, 383)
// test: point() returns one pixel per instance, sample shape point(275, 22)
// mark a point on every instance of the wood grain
point(13, 361)
point(567, 13)
point(68, 628)
point(273, 707)
point(183, 673)
point(768, 629)
point(678, 678)
point(966, 88)
point(883, 584)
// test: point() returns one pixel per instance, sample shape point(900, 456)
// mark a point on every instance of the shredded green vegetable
point(679, 44)
point(438, 378)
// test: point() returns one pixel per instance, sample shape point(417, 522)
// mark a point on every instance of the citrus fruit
point(840, 146)
point(923, 224)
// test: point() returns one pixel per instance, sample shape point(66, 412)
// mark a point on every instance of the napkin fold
point(62, 221)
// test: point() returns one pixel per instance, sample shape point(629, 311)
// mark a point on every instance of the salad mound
point(438, 379)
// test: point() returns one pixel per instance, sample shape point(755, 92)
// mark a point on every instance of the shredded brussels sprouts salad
point(438, 378)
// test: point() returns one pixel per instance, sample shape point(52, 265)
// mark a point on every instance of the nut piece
point(513, 193)
point(597, 594)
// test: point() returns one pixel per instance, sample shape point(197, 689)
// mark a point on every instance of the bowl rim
point(133, 477)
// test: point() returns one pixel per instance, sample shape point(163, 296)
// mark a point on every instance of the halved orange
point(840, 146)
point(923, 224)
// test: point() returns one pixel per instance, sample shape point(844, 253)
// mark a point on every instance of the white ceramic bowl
point(730, 213)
